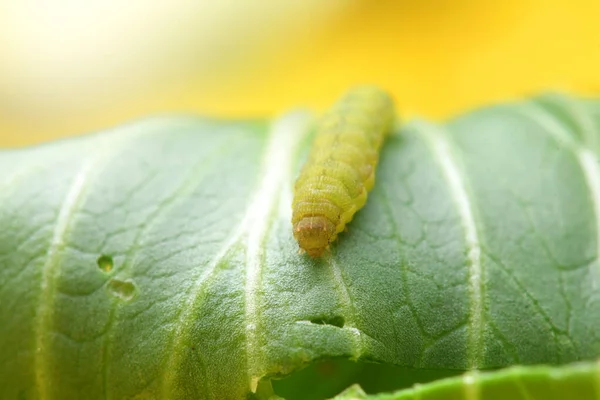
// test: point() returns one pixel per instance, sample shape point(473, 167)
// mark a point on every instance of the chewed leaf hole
point(105, 263)
point(336, 320)
point(123, 290)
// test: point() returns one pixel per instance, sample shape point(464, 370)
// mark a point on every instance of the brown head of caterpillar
point(314, 234)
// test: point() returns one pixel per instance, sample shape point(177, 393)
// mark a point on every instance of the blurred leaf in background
point(69, 67)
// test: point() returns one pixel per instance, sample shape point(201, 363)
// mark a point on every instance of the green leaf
point(157, 260)
point(576, 381)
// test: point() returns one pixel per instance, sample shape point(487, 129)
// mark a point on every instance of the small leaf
point(353, 392)
point(575, 381)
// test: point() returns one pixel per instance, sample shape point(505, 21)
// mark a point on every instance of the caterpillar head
point(314, 234)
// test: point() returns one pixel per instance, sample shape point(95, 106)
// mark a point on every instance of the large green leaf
point(157, 260)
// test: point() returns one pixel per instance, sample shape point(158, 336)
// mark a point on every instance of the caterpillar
point(340, 169)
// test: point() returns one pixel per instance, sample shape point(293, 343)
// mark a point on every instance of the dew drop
point(105, 263)
point(123, 290)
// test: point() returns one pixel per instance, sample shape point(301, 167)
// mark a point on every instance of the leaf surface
point(157, 260)
point(576, 381)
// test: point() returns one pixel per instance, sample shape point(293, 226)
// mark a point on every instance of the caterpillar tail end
point(314, 234)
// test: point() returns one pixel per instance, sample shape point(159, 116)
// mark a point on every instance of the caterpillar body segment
point(340, 169)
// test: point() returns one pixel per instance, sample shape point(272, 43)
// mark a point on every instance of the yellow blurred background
point(70, 66)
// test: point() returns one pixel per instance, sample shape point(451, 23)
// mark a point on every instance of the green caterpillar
point(340, 169)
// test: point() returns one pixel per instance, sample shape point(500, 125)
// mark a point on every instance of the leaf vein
point(458, 190)
point(587, 159)
point(348, 305)
point(193, 179)
point(286, 137)
point(50, 271)
point(279, 148)
point(554, 330)
point(403, 266)
point(51, 268)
